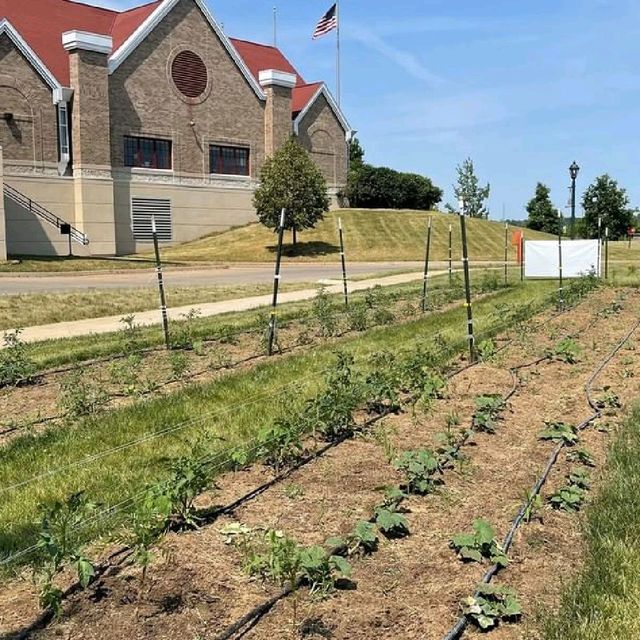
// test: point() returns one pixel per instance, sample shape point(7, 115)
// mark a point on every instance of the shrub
point(80, 397)
point(15, 364)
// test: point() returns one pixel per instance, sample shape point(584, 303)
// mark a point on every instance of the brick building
point(107, 117)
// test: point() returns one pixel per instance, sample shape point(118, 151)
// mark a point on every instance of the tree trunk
point(295, 236)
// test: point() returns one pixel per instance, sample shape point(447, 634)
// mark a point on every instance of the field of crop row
point(359, 486)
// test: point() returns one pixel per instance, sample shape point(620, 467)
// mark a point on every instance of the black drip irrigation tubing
point(459, 628)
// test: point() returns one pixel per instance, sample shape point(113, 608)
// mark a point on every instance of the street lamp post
point(573, 172)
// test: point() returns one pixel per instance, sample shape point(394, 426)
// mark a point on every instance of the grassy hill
point(370, 236)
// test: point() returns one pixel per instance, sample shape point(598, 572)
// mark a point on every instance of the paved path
point(15, 283)
point(146, 318)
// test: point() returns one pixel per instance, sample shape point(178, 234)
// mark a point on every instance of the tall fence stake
point(506, 253)
point(522, 256)
point(560, 279)
point(163, 299)
point(450, 255)
point(344, 264)
point(606, 253)
point(425, 281)
point(276, 285)
point(467, 285)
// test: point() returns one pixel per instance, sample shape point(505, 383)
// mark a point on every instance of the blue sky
point(524, 88)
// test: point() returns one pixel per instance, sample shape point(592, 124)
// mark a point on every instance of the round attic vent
point(189, 74)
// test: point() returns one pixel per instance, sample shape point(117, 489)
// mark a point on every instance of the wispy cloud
point(406, 60)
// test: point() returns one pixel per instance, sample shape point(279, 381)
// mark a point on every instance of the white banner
point(579, 258)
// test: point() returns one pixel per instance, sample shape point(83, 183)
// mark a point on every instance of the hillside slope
point(369, 236)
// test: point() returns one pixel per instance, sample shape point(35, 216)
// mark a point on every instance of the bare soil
point(409, 589)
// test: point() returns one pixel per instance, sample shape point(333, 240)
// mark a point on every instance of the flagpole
point(338, 79)
point(275, 26)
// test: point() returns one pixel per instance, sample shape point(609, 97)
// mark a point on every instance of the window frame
point(138, 154)
point(218, 170)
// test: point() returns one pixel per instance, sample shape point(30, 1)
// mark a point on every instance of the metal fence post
point(163, 299)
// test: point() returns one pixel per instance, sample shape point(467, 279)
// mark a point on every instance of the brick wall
point(322, 135)
point(144, 100)
point(31, 138)
point(278, 122)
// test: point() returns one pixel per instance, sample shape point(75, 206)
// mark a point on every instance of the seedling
point(488, 410)
point(581, 456)
point(533, 506)
point(559, 432)
point(486, 350)
point(183, 333)
point(59, 546)
point(569, 498)
point(567, 350)
point(479, 545)
point(419, 468)
point(280, 444)
point(608, 400)
point(387, 516)
point(492, 604)
point(580, 478)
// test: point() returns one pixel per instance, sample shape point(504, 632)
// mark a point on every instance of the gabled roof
point(39, 24)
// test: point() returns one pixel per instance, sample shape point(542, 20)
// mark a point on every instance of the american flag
point(328, 22)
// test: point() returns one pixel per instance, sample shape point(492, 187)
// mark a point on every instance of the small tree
point(290, 180)
point(356, 154)
point(543, 216)
point(606, 199)
point(468, 189)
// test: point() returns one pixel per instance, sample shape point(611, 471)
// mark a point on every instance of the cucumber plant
point(419, 468)
point(581, 456)
point(479, 545)
point(488, 410)
point(572, 495)
point(387, 516)
point(567, 350)
point(59, 545)
point(560, 432)
point(491, 605)
point(533, 506)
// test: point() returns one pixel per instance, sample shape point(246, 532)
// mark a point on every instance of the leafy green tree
point(290, 180)
point(604, 198)
point(356, 155)
point(469, 190)
point(543, 216)
point(383, 188)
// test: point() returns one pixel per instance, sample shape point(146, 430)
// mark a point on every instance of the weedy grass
point(602, 602)
point(113, 457)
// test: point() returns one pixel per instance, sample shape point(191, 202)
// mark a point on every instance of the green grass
point(220, 415)
point(602, 603)
point(45, 264)
point(369, 236)
point(55, 353)
point(28, 310)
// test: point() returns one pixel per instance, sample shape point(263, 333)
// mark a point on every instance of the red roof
point(41, 24)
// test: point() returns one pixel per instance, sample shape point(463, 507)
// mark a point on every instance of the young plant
point(58, 545)
point(568, 498)
point(179, 364)
point(358, 317)
point(387, 517)
point(559, 432)
point(486, 350)
point(331, 412)
point(491, 605)
point(534, 505)
point(16, 367)
point(362, 540)
point(321, 570)
point(80, 397)
point(324, 313)
point(190, 476)
point(488, 410)
point(183, 332)
point(382, 384)
point(479, 545)
point(608, 400)
point(580, 478)
point(280, 443)
point(419, 469)
point(126, 374)
point(131, 334)
point(567, 350)
point(581, 456)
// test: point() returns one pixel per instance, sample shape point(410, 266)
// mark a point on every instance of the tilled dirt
point(409, 588)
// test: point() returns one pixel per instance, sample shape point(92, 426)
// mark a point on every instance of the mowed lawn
point(370, 236)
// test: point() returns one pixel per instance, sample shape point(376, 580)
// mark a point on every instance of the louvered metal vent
point(189, 74)
point(142, 210)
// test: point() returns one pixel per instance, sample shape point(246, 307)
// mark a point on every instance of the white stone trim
point(322, 91)
point(87, 41)
point(28, 53)
point(139, 35)
point(271, 77)
point(62, 94)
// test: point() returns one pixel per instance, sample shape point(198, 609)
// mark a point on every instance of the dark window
point(229, 160)
point(150, 153)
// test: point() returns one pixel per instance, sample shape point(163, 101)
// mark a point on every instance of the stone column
point(91, 138)
point(278, 123)
point(3, 228)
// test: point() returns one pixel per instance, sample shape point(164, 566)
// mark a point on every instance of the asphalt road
point(194, 277)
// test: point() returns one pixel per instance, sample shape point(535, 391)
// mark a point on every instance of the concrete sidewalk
point(79, 328)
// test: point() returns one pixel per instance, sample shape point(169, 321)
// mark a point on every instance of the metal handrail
point(33, 207)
